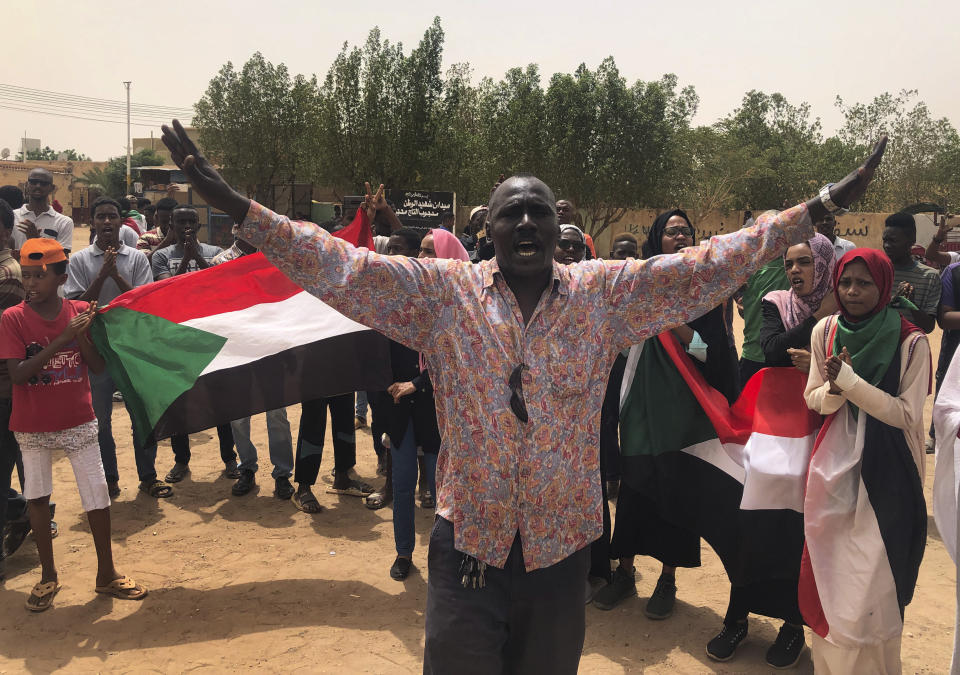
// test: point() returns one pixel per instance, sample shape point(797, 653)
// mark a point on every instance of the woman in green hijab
point(865, 518)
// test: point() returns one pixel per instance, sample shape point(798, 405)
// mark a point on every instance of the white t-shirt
point(52, 225)
point(129, 236)
point(841, 246)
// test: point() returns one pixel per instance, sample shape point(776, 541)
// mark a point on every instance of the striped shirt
point(926, 286)
point(11, 293)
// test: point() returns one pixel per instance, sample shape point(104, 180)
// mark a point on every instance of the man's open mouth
point(526, 249)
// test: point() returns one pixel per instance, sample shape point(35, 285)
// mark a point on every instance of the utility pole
point(127, 85)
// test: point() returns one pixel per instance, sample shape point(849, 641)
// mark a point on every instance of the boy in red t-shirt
point(47, 350)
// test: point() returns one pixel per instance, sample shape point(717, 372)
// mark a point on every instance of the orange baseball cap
point(41, 252)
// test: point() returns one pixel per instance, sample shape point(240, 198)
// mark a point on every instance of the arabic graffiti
point(854, 232)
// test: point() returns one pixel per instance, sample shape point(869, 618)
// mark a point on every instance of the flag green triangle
point(152, 361)
point(660, 413)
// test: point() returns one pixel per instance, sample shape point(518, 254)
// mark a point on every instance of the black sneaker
point(230, 469)
point(245, 483)
point(283, 488)
point(400, 569)
point(786, 650)
point(623, 586)
point(660, 605)
point(722, 647)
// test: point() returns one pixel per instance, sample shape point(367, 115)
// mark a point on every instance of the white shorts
point(81, 447)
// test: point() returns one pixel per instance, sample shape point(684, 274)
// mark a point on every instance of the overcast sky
point(809, 51)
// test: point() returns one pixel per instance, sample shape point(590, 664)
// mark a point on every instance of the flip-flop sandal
point(123, 588)
point(156, 489)
point(377, 500)
point(41, 597)
point(427, 501)
point(356, 488)
point(306, 502)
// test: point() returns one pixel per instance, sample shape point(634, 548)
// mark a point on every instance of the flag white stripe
point(775, 467)
point(262, 330)
point(946, 480)
point(854, 580)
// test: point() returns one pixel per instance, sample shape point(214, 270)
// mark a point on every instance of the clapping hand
point(109, 268)
point(831, 369)
point(78, 325)
point(29, 229)
point(905, 290)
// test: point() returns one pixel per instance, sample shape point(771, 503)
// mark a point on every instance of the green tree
point(782, 142)
point(49, 154)
point(258, 124)
point(377, 117)
point(921, 162)
point(112, 179)
point(610, 146)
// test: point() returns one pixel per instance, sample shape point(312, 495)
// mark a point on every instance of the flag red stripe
point(238, 284)
point(358, 232)
point(771, 403)
point(807, 593)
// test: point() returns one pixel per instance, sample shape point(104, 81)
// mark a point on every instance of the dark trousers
point(377, 427)
point(519, 622)
point(181, 445)
point(600, 549)
point(776, 598)
point(313, 427)
point(9, 458)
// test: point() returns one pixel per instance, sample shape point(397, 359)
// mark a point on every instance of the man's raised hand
point(854, 185)
point(205, 179)
point(374, 202)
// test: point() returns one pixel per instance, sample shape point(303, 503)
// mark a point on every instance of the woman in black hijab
point(639, 529)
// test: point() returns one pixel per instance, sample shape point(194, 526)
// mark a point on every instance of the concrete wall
point(863, 229)
point(64, 178)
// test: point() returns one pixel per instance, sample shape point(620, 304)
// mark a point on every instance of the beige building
point(154, 143)
point(71, 194)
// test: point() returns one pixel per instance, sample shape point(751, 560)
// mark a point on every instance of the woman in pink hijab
point(442, 244)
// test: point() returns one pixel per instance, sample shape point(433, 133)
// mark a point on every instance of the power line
point(93, 102)
point(82, 109)
point(155, 123)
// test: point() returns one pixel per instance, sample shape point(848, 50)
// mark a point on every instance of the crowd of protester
point(791, 307)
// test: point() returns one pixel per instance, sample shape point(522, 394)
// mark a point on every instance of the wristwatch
point(828, 203)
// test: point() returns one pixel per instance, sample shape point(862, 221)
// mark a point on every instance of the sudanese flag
point(195, 351)
point(733, 475)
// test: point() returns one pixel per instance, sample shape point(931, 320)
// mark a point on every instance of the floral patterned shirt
point(497, 476)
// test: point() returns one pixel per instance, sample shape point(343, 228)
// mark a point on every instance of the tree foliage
point(387, 115)
point(49, 154)
point(112, 179)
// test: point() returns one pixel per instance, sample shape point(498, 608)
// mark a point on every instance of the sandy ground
point(249, 583)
